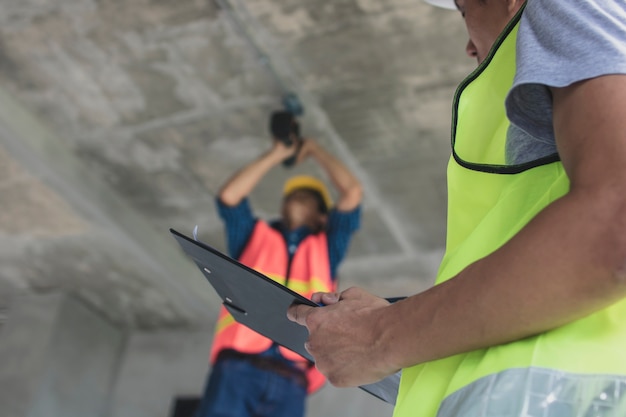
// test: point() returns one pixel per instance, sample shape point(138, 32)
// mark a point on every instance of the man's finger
point(299, 313)
point(325, 298)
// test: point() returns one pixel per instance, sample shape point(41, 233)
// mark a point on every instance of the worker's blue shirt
point(239, 223)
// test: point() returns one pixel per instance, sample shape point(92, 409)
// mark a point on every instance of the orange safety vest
point(309, 272)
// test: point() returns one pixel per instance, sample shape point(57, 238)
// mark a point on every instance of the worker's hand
point(282, 151)
point(344, 339)
point(325, 298)
point(307, 149)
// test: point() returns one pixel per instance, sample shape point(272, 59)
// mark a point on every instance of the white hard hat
point(446, 4)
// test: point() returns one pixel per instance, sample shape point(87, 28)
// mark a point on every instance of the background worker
point(302, 249)
point(528, 314)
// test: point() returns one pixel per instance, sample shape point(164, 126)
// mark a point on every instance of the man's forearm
point(556, 270)
point(343, 179)
point(243, 181)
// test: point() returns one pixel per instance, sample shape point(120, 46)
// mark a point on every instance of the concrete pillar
point(59, 359)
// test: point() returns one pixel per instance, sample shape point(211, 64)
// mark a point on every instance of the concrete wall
point(61, 359)
point(58, 359)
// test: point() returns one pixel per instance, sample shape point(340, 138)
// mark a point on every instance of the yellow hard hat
point(308, 182)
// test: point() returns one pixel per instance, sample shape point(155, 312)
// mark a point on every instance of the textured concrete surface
point(120, 120)
point(59, 359)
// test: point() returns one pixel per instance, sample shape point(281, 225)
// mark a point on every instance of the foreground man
point(528, 317)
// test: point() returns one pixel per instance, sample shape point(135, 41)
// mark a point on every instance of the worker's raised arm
point(346, 183)
point(241, 184)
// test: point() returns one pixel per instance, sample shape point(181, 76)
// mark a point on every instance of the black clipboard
point(261, 304)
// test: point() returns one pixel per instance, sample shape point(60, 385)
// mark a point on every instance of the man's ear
point(514, 5)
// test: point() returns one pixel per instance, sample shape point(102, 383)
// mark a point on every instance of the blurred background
point(120, 120)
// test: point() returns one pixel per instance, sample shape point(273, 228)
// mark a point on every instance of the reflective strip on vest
point(549, 393)
point(488, 203)
point(266, 252)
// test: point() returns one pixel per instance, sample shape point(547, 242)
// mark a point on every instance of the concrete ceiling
point(120, 120)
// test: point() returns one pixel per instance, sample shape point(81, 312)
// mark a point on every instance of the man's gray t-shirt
point(590, 42)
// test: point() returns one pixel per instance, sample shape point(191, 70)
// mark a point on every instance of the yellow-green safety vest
point(577, 370)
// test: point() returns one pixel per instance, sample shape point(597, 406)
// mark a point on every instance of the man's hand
point(344, 337)
point(307, 149)
point(281, 151)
